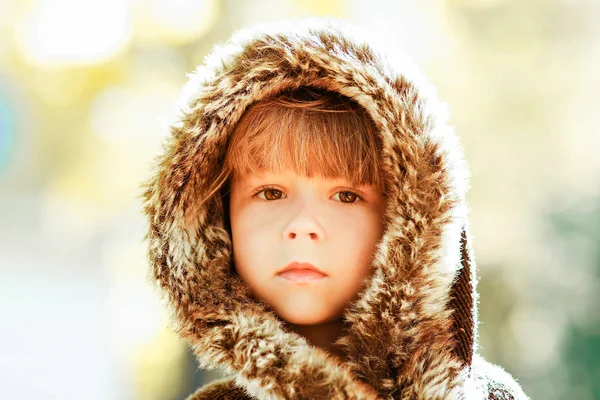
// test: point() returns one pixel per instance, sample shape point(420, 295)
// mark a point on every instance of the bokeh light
point(57, 33)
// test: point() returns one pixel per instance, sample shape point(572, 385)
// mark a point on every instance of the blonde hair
point(310, 131)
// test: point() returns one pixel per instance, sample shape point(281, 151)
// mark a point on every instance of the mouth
point(301, 272)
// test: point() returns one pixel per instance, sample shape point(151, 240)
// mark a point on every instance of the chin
point(305, 315)
point(303, 320)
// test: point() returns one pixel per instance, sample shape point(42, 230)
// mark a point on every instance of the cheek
point(251, 250)
point(250, 231)
point(355, 247)
point(361, 235)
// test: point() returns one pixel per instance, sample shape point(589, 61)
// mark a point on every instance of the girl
point(308, 225)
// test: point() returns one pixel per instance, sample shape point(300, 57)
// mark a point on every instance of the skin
point(326, 222)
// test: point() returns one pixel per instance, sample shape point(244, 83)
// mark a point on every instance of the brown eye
point(348, 197)
point(271, 191)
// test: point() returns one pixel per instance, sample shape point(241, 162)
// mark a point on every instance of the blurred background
point(85, 90)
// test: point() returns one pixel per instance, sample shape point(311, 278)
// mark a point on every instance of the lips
point(296, 271)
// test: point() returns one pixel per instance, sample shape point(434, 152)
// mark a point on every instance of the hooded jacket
point(413, 330)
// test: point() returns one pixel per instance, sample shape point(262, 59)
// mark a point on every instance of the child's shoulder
point(223, 388)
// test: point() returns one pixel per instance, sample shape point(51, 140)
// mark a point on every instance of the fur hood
point(414, 327)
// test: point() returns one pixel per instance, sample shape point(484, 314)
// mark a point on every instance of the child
point(307, 223)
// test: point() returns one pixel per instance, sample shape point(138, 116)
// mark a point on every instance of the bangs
point(311, 132)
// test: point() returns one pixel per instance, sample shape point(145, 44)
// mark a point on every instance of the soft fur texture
point(413, 330)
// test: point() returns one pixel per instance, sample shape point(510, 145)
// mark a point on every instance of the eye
point(270, 193)
point(348, 197)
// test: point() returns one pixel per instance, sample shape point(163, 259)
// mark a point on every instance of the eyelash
point(264, 188)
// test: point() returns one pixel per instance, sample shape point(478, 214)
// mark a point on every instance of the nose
point(304, 223)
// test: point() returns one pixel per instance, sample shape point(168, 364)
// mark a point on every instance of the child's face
point(306, 220)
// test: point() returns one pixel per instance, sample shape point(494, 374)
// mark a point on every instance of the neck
point(321, 335)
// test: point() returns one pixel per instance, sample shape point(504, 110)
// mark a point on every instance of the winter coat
point(413, 332)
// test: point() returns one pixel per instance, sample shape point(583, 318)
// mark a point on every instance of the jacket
point(413, 330)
